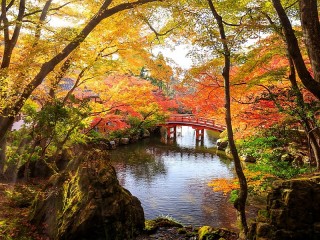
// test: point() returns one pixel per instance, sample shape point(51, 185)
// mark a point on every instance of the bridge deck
point(191, 120)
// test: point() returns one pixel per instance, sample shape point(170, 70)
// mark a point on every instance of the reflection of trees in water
point(214, 207)
point(211, 205)
point(147, 163)
point(139, 162)
point(213, 136)
point(144, 159)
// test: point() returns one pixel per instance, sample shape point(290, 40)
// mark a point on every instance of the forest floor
point(14, 212)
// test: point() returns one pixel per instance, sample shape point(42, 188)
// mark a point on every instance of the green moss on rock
point(210, 233)
point(88, 202)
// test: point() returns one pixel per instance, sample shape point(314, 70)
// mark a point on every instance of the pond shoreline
point(24, 229)
point(14, 219)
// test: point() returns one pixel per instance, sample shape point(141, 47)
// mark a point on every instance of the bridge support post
point(200, 136)
point(172, 132)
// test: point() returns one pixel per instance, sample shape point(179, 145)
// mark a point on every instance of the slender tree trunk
point(313, 85)
point(315, 148)
point(4, 124)
point(3, 146)
point(240, 203)
point(309, 123)
point(302, 114)
point(311, 32)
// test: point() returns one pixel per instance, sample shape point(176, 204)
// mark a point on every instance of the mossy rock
point(191, 234)
point(150, 226)
point(165, 222)
point(182, 231)
point(86, 201)
point(210, 233)
point(206, 233)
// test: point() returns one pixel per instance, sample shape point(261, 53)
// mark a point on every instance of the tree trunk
point(240, 203)
point(3, 146)
point(5, 125)
point(311, 32)
point(293, 47)
point(315, 148)
point(308, 123)
point(302, 114)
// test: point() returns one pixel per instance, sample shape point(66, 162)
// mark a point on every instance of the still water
point(170, 178)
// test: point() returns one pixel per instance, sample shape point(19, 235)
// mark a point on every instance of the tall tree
point(311, 31)
point(241, 201)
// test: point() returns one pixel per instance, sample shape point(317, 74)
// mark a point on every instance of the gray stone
point(222, 144)
point(134, 138)
point(124, 141)
point(293, 206)
point(287, 157)
point(249, 158)
point(113, 145)
point(146, 133)
point(86, 201)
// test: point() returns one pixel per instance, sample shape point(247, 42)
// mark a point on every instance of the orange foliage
point(122, 96)
point(260, 91)
point(254, 179)
point(223, 185)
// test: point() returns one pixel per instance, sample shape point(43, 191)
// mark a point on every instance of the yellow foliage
point(254, 179)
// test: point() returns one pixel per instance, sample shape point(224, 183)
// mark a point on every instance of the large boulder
point(292, 211)
point(87, 202)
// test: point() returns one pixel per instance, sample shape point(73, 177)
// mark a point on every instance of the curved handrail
point(189, 119)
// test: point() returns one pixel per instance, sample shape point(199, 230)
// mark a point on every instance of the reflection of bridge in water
point(197, 123)
point(198, 151)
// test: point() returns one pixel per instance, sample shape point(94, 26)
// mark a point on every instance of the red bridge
point(198, 123)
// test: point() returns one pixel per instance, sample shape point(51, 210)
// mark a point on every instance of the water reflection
point(171, 178)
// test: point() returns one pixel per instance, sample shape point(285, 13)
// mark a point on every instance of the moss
point(204, 232)
point(151, 226)
point(182, 231)
point(167, 222)
point(191, 234)
point(210, 233)
point(263, 215)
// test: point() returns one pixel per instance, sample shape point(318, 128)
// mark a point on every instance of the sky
point(178, 54)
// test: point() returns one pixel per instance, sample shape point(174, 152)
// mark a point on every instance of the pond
point(170, 178)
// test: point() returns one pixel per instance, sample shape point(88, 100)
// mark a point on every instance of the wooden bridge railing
point(190, 119)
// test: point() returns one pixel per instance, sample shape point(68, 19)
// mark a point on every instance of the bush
point(278, 168)
point(233, 196)
point(268, 151)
